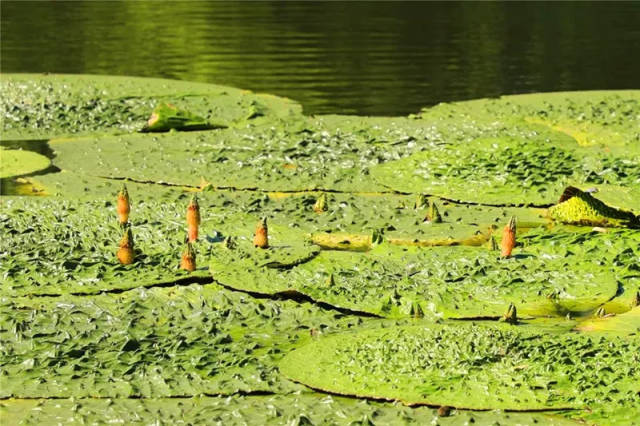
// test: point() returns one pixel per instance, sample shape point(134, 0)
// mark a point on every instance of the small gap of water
point(39, 146)
point(17, 185)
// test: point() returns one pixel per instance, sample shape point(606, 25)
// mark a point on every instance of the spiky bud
point(320, 205)
point(444, 411)
point(420, 202)
point(492, 244)
point(193, 218)
point(261, 237)
point(416, 310)
point(433, 215)
point(331, 280)
point(511, 316)
point(125, 252)
point(188, 260)
point(123, 206)
point(601, 312)
point(508, 238)
point(229, 243)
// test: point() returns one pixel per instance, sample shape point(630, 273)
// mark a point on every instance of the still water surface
point(366, 58)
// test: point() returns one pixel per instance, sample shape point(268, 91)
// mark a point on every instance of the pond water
point(365, 58)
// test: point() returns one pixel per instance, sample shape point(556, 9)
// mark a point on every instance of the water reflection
point(367, 58)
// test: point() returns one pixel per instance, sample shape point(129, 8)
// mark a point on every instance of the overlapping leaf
point(160, 342)
point(458, 282)
point(15, 162)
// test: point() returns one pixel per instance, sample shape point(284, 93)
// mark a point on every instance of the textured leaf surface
point(180, 341)
point(472, 366)
point(38, 106)
point(305, 408)
point(457, 282)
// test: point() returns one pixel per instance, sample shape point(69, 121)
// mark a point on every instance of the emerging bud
point(188, 260)
point(508, 238)
point(636, 300)
point(511, 316)
point(193, 218)
point(331, 281)
point(321, 204)
point(421, 201)
point(444, 411)
point(416, 310)
point(433, 215)
point(125, 252)
point(123, 207)
point(492, 244)
point(377, 236)
point(229, 243)
point(261, 237)
point(600, 313)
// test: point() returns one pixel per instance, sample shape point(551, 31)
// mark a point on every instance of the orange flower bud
point(188, 260)
point(508, 238)
point(261, 237)
point(320, 205)
point(125, 252)
point(193, 218)
point(123, 207)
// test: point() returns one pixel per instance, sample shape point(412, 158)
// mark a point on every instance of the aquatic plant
point(123, 205)
point(508, 238)
point(188, 259)
point(261, 236)
point(193, 219)
point(125, 251)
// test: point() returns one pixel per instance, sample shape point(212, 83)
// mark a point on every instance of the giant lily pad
point(472, 367)
point(160, 342)
point(458, 282)
point(285, 157)
point(47, 106)
point(502, 171)
point(311, 408)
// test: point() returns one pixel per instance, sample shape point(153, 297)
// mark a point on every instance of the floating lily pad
point(275, 158)
point(54, 246)
point(458, 282)
point(502, 171)
point(160, 342)
point(314, 408)
point(16, 162)
point(477, 367)
point(37, 106)
point(625, 324)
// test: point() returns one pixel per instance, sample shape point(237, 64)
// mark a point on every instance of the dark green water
point(366, 58)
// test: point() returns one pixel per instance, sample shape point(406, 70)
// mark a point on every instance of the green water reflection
point(357, 57)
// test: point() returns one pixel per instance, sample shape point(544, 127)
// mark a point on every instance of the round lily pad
point(16, 162)
point(56, 246)
point(470, 366)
